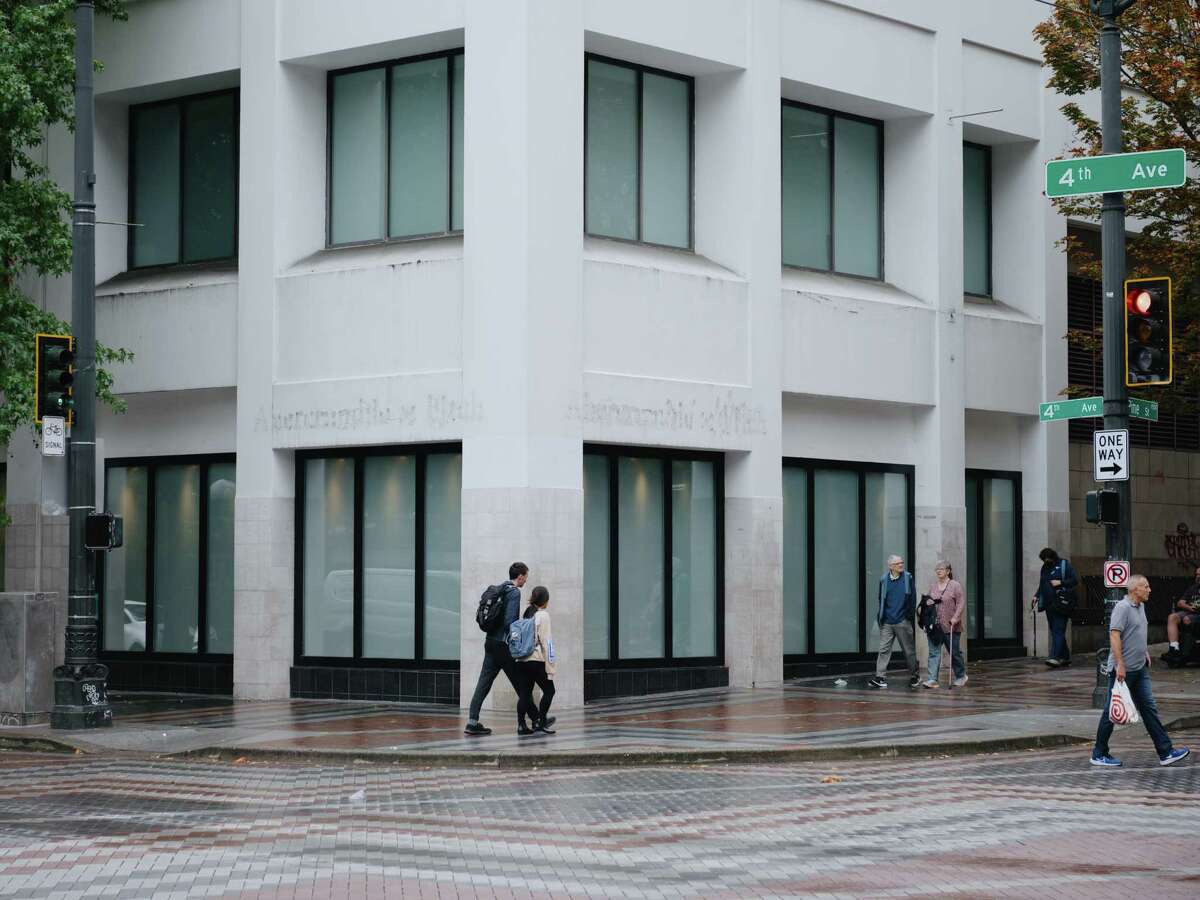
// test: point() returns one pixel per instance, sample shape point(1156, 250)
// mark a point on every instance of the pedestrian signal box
point(1103, 507)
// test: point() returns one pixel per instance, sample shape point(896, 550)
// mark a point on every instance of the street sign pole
point(1118, 545)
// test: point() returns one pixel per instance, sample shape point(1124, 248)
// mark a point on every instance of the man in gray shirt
point(1129, 662)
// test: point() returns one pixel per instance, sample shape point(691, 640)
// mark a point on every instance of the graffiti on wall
point(1183, 545)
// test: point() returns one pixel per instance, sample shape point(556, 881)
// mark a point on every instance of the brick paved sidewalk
point(1011, 704)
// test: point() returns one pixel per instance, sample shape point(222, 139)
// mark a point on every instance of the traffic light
point(55, 376)
point(1147, 331)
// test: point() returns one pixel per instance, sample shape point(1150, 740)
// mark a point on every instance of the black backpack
point(490, 612)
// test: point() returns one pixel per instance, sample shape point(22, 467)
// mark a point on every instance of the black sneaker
point(877, 682)
point(549, 720)
point(476, 730)
point(544, 728)
point(524, 731)
point(914, 682)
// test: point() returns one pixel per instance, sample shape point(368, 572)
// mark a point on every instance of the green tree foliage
point(37, 84)
point(1160, 67)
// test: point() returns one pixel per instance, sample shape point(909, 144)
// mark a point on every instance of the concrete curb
point(36, 744)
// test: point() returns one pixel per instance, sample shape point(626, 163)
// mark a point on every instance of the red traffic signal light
point(1148, 331)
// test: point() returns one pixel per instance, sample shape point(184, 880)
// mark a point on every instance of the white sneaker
point(930, 684)
point(959, 682)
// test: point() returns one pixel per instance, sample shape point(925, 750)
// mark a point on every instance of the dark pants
point(531, 673)
point(1058, 636)
point(496, 659)
point(1139, 687)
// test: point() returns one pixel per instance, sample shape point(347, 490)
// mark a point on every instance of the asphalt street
point(1022, 824)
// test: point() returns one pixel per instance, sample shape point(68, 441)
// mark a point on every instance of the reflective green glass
point(443, 554)
point(389, 547)
point(596, 556)
point(221, 489)
point(642, 600)
point(666, 160)
point(456, 148)
point(836, 560)
point(977, 263)
point(154, 145)
point(805, 192)
point(886, 531)
point(856, 198)
point(612, 150)
point(176, 558)
point(420, 136)
point(328, 602)
point(125, 494)
point(795, 560)
point(209, 178)
point(693, 559)
point(357, 145)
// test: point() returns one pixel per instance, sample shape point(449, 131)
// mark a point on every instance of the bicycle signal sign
point(1116, 573)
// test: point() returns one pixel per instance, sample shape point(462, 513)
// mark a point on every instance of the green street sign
point(1116, 172)
point(1143, 409)
point(1083, 408)
point(1093, 408)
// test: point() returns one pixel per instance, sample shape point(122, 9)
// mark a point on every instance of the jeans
point(1139, 687)
point(956, 658)
point(1058, 636)
point(889, 635)
point(530, 673)
point(496, 659)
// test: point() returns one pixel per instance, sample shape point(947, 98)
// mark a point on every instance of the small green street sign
point(1143, 409)
point(1083, 408)
point(1116, 172)
point(1093, 408)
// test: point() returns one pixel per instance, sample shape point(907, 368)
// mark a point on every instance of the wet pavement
point(1004, 705)
point(1012, 825)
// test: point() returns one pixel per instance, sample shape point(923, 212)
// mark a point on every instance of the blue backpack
point(522, 638)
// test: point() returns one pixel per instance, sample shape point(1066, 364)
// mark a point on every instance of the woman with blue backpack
point(532, 646)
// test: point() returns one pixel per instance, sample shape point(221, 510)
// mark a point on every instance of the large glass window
point(840, 523)
point(380, 533)
point(183, 162)
point(638, 168)
point(652, 557)
point(169, 588)
point(993, 555)
point(977, 220)
point(396, 149)
point(832, 191)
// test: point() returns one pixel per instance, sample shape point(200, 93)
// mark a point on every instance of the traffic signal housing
point(55, 357)
point(1102, 507)
point(1148, 331)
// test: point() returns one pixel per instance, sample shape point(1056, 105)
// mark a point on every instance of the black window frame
point(421, 454)
point(182, 103)
point(388, 66)
point(975, 606)
point(987, 201)
point(613, 454)
point(151, 464)
point(878, 125)
point(641, 71)
point(811, 466)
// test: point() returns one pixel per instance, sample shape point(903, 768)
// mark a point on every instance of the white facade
point(720, 348)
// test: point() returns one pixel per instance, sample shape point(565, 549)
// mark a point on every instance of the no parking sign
point(1116, 573)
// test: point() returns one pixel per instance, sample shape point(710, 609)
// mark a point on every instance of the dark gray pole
point(1117, 538)
point(80, 697)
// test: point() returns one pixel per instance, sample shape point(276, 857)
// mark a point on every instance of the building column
point(264, 533)
point(522, 493)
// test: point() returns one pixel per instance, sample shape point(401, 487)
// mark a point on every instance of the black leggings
point(530, 673)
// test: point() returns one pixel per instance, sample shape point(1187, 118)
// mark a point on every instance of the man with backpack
point(499, 607)
point(897, 604)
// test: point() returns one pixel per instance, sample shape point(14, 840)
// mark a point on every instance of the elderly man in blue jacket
point(897, 604)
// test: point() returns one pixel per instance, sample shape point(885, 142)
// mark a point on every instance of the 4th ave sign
point(1144, 171)
point(1093, 407)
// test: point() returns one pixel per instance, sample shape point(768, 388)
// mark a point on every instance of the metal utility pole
point(80, 695)
point(1118, 538)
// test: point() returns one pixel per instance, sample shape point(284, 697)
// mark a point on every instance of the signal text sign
point(1110, 455)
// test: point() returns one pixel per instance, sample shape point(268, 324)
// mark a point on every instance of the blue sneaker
point(1174, 756)
point(1107, 761)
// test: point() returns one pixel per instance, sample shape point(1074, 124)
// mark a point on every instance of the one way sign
point(1110, 455)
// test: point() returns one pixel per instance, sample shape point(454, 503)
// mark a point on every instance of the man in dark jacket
point(897, 603)
point(496, 658)
point(1057, 574)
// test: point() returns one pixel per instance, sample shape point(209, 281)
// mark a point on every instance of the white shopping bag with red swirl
point(1121, 710)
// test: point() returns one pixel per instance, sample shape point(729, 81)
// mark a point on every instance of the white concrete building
point(735, 296)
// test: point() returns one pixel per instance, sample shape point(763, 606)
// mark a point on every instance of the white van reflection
point(389, 626)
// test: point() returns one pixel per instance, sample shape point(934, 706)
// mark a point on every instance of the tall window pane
point(125, 493)
point(154, 145)
point(1000, 563)
point(420, 148)
point(666, 160)
point(795, 560)
point(443, 554)
point(456, 149)
point(856, 197)
point(835, 560)
point(329, 557)
point(389, 534)
point(210, 179)
point(357, 146)
point(977, 263)
point(693, 559)
point(176, 558)
point(221, 487)
point(886, 530)
point(806, 186)
point(640, 551)
point(612, 151)
point(596, 582)
point(971, 582)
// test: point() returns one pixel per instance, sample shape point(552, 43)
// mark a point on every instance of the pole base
point(81, 697)
point(1100, 691)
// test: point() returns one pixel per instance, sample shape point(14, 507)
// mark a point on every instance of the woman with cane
point(951, 603)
